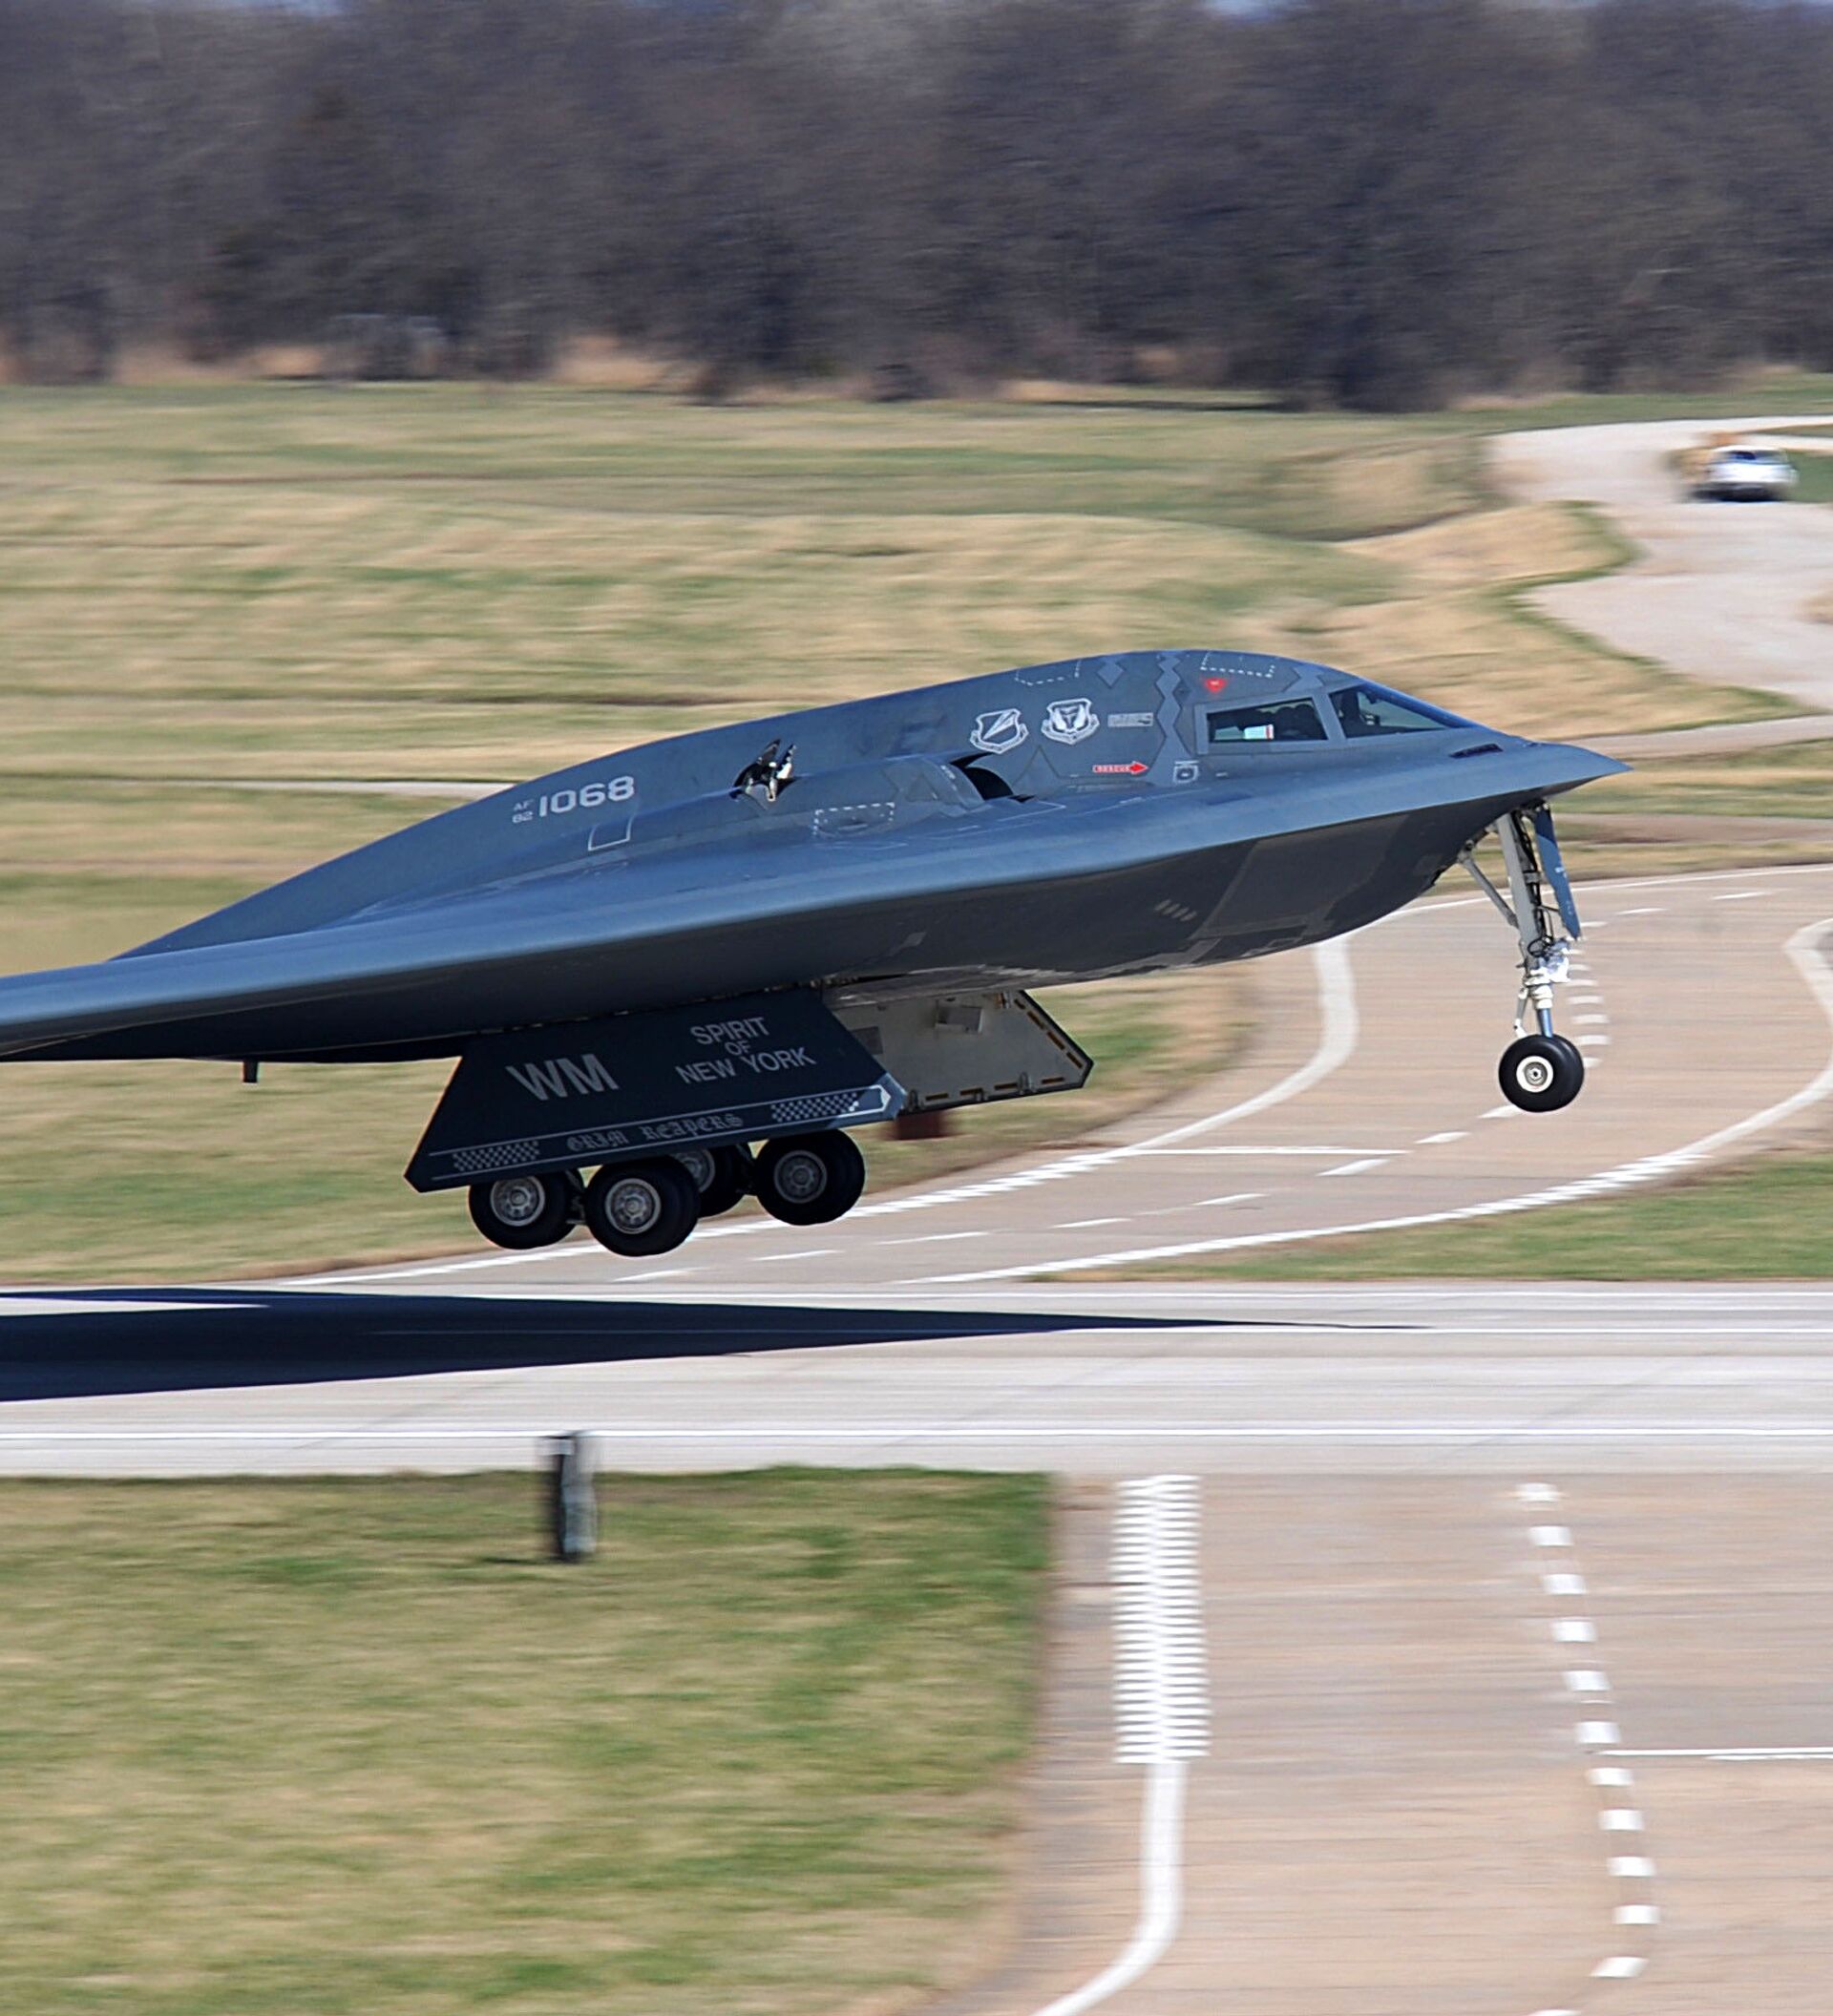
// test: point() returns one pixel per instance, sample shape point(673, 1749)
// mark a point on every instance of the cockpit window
point(1276, 721)
point(1373, 710)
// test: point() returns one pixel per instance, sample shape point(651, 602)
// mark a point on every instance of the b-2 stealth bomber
point(692, 967)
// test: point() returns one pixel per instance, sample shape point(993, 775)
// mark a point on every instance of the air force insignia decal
point(1070, 721)
point(998, 731)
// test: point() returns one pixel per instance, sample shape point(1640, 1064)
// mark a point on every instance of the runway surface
point(1417, 1647)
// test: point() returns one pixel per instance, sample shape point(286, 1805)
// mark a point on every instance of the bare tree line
point(1369, 202)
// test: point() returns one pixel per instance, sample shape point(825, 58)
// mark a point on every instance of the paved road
point(1721, 590)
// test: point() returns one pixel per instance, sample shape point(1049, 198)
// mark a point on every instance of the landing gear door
point(574, 1094)
point(1554, 865)
point(968, 1049)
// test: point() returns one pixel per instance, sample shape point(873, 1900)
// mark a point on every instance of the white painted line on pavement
point(1323, 1433)
point(1614, 1783)
point(1361, 1168)
point(1796, 1753)
point(1744, 896)
point(1320, 1154)
point(1078, 1224)
point(939, 1238)
point(1160, 1702)
point(1438, 1140)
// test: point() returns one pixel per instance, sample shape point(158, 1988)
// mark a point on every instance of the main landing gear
point(641, 1209)
point(1541, 1070)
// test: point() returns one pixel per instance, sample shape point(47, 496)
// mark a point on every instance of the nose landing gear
point(1541, 1070)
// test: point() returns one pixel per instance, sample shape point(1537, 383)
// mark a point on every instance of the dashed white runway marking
point(1082, 1225)
point(1586, 1020)
point(1614, 1783)
point(1161, 1707)
point(1644, 909)
point(1183, 1210)
point(657, 1274)
point(935, 1238)
point(1361, 1168)
point(1235, 1148)
point(1502, 1113)
point(1593, 1043)
point(805, 1253)
point(1744, 896)
point(1438, 1140)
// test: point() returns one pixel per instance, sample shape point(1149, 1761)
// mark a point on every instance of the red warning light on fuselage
point(1216, 685)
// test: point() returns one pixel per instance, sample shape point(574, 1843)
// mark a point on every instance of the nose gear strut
point(1541, 1070)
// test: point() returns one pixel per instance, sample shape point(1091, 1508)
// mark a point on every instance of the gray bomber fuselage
point(1063, 821)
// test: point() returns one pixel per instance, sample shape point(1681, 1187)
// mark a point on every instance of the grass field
point(354, 1748)
point(210, 589)
point(1766, 1220)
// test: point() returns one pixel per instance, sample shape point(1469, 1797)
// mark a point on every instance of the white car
point(1746, 473)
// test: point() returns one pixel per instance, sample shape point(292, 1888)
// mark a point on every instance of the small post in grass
point(572, 1497)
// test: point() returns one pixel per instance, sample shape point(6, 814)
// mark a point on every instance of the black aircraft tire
point(638, 1209)
point(521, 1212)
point(810, 1179)
point(730, 1183)
point(1540, 1074)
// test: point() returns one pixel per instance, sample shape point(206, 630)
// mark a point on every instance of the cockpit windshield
point(1271, 720)
point(1375, 710)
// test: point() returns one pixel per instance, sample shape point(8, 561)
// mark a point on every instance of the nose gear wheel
point(1541, 1070)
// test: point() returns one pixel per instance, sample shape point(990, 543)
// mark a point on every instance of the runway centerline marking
point(1613, 1783)
point(1161, 1708)
point(1359, 1168)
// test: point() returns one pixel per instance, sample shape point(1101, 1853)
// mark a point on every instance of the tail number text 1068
point(614, 790)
